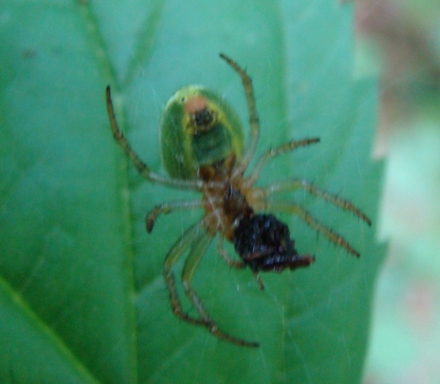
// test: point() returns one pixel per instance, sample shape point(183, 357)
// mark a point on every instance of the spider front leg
point(282, 206)
point(274, 152)
point(254, 120)
point(166, 208)
point(197, 240)
point(143, 168)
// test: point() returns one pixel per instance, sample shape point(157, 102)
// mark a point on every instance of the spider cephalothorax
point(202, 150)
point(262, 241)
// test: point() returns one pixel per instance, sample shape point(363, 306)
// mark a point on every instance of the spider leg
point(189, 236)
point(166, 208)
point(143, 169)
point(258, 278)
point(273, 152)
point(290, 185)
point(198, 240)
point(311, 221)
point(236, 264)
point(198, 249)
point(224, 254)
point(254, 120)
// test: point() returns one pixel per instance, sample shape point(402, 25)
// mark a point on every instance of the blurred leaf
point(82, 294)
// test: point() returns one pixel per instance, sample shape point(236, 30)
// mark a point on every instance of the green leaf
point(82, 296)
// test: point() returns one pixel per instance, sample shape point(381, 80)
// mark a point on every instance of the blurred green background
point(401, 38)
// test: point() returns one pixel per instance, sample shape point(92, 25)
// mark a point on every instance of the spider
point(202, 149)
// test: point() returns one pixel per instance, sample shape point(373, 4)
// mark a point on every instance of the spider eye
point(197, 128)
point(203, 119)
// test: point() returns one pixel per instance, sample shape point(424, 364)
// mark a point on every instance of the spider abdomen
point(198, 127)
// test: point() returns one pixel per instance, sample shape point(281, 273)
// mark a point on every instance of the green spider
point(203, 150)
